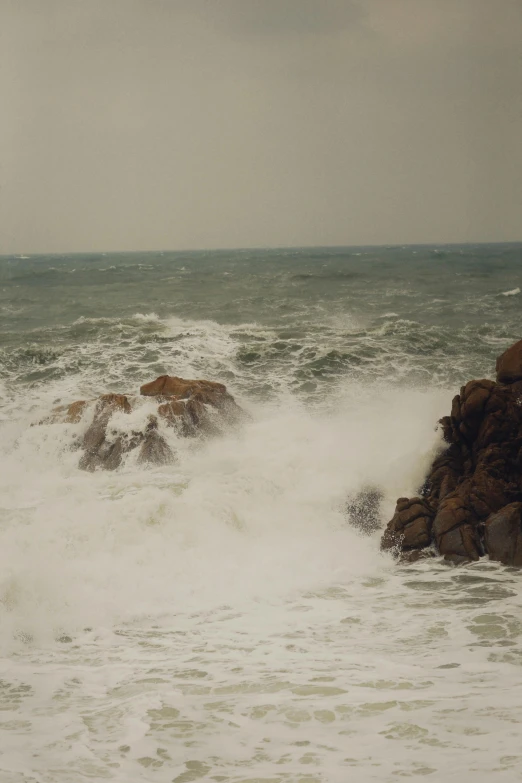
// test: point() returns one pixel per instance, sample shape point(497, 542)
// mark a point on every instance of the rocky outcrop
point(101, 447)
point(503, 535)
point(187, 403)
point(509, 364)
point(192, 407)
point(471, 502)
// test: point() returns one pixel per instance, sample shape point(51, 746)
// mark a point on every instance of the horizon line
point(21, 254)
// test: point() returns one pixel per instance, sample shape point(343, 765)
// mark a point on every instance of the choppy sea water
point(220, 619)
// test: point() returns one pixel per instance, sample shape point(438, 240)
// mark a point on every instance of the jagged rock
point(410, 527)
point(208, 392)
point(99, 450)
point(472, 496)
point(416, 555)
point(181, 404)
point(68, 414)
point(503, 535)
point(509, 364)
point(187, 403)
point(75, 411)
point(154, 450)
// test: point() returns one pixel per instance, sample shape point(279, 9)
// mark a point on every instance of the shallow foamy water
point(221, 620)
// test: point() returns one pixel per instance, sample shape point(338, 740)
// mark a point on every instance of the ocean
point(222, 618)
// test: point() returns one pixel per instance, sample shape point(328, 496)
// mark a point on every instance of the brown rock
point(416, 555)
point(177, 413)
point(66, 414)
point(172, 409)
point(100, 451)
point(410, 527)
point(195, 396)
point(192, 407)
point(473, 493)
point(509, 364)
point(462, 542)
point(179, 388)
point(503, 535)
point(473, 400)
point(154, 450)
point(475, 397)
point(452, 512)
point(75, 411)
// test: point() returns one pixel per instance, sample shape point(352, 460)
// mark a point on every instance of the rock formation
point(471, 502)
point(192, 407)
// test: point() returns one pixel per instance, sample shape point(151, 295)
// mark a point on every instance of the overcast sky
point(172, 124)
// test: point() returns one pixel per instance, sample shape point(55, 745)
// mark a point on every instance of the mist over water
point(220, 618)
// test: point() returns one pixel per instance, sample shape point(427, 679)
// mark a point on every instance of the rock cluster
point(192, 407)
point(471, 502)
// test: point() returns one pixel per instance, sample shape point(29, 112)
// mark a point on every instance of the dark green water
point(283, 318)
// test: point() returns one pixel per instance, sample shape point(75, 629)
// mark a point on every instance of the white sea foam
point(219, 619)
point(513, 292)
point(146, 317)
point(255, 497)
point(237, 623)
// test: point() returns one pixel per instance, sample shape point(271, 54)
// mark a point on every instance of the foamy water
point(220, 619)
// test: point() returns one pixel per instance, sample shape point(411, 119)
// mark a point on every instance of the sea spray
point(256, 511)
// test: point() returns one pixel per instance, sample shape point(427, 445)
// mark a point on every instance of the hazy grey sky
point(155, 124)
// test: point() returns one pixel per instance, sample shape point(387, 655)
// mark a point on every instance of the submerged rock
point(192, 407)
point(69, 414)
point(472, 498)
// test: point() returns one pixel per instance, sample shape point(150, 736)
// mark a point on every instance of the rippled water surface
point(220, 619)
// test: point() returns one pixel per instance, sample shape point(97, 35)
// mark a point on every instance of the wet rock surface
point(471, 502)
point(509, 364)
point(192, 407)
